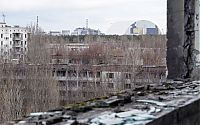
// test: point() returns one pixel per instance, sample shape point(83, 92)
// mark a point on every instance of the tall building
point(13, 42)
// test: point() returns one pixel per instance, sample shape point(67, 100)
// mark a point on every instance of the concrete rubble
point(132, 107)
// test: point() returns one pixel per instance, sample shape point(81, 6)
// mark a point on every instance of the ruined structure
point(183, 41)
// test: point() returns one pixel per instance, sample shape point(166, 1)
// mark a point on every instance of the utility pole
point(37, 27)
point(86, 23)
point(4, 18)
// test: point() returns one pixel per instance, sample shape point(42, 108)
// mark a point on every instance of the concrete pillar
point(175, 36)
point(181, 15)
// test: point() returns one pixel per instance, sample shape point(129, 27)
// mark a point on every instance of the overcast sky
point(69, 14)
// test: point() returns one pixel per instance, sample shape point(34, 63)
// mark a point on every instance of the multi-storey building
point(88, 70)
point(13, 42)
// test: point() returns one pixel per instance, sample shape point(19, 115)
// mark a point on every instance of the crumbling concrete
point(172, 103)
point(181, 18)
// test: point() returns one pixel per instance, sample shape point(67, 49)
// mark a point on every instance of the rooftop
point(136, 107)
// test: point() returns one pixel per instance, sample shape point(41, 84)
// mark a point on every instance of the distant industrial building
point(13, 42)
point(141, 27)
point(86, 31)
point(65, 32)
point(55, 33)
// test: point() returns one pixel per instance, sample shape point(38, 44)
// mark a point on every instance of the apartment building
point(13, 42)
point(88, 70)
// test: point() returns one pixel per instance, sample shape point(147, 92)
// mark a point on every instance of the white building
point(86, 31)
point(13, 42)
point(55, 33)
point(65, 32)
point(140, 27)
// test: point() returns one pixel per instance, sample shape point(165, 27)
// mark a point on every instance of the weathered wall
point(175, 36)
point(189, 35)
point(181, 38)
point(186, 115)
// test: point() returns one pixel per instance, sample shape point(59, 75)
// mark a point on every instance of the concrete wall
point(182, 18)
point(175, 36)
point(188, 114)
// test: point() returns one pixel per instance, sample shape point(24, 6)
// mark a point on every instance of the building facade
point(13, 42)
point(88, 70)
point(86, 31)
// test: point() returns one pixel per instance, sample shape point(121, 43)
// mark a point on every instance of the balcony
point(17, 45)
point(17, 51)
point(60, 78)
point(17, 38)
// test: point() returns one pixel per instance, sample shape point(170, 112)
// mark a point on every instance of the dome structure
point(141, 27)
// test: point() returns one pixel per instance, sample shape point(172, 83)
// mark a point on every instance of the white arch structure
point(124, 27)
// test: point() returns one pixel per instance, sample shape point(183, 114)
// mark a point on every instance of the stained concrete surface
point(181, 24)
point(171, 103)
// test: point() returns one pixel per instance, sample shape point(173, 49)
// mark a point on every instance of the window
point(98, 84)
point(90, 74)
point(61, 73)
point(128, 76)
point(21, 42)
point(62, 83)
point(85, 61)
point(127, 86)
point(25, 35)
point(62, 93)
point(72, 73)
point(110, 75)
point(84, 84)
point(110, 85)
point(10, 42)
point(10, 35)
point(98, 75)
point(72, 84)
point(25, 42)
point(2, 43)
point(1, 35)
point(84, 73)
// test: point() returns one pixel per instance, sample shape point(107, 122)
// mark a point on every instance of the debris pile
point(131, 107)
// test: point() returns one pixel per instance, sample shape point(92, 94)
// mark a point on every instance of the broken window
point(61, 73)
point(110, 85)
point(72, 84)
point(110, 75)
point(127, 86)
point(90, 74)
point(62, 83)
point(98, 84)
point(62, 93)
point(72, 73)
point(128, 76)
point(98, 75)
